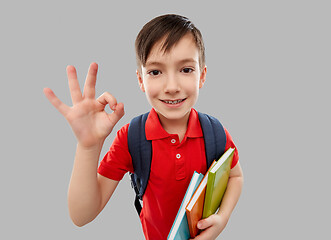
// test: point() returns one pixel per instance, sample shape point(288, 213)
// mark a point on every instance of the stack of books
point(202, 198)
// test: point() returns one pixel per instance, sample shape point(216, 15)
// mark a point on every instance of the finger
point(118, 109)
point(202, 235)
point(60, 106)
point(204, 223)
point(76, 94)
point(107, 98)
point(91, 78)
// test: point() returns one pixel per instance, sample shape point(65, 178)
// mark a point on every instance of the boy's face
point(171, 80)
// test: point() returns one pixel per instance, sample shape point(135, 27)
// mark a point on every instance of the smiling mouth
point(173, 101)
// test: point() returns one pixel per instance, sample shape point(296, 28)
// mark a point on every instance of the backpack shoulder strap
point(141, 149)
point(214, 137)
point(141, 153)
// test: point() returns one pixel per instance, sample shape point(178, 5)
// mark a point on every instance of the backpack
point(141, 149)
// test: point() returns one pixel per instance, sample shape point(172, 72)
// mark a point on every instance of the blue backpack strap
point(141, 153)
point(214, 137)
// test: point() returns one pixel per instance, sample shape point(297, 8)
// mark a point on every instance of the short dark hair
point(174, 27)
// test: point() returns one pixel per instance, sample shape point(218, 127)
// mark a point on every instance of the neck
point(175, 126)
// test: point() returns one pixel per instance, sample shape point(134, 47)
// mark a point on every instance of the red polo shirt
point(173, 164)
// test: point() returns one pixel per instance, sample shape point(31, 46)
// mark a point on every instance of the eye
point(154, 72)
point(187, 70)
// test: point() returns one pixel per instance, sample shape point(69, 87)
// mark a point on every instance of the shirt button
point(173, 140)
point(178, 156)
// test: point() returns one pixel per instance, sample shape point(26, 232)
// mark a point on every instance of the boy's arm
point(214, 225)
point(91, 124)
point(88, 191)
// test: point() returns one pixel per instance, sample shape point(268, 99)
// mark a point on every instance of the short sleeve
point(117, 161)
point(230, 143)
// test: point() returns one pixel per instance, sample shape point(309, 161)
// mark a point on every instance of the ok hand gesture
point(87, 117)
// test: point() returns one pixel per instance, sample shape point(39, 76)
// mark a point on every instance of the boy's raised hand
point(87, 117)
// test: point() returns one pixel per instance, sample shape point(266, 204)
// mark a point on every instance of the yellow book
point(217, 182)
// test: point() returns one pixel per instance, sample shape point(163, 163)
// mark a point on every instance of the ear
point(140, 81)
point(203, 77)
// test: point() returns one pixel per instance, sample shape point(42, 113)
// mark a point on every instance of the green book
point(217, 182)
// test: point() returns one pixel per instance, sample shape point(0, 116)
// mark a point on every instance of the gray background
point(268, 73)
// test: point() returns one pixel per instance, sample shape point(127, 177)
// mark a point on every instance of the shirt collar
point(154, 129)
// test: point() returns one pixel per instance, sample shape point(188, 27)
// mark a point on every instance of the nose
point(172, 84)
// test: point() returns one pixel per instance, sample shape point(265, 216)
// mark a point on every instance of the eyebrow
point(186, 60)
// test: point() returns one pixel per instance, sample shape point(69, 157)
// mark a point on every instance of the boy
point(171, 70)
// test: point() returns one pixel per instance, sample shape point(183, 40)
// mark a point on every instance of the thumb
point(204, 223)
point(119, 110)
point(117, 114)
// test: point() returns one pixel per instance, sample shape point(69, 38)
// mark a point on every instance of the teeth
point(173, 102)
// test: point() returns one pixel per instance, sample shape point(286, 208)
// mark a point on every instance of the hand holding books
point(207, 197)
